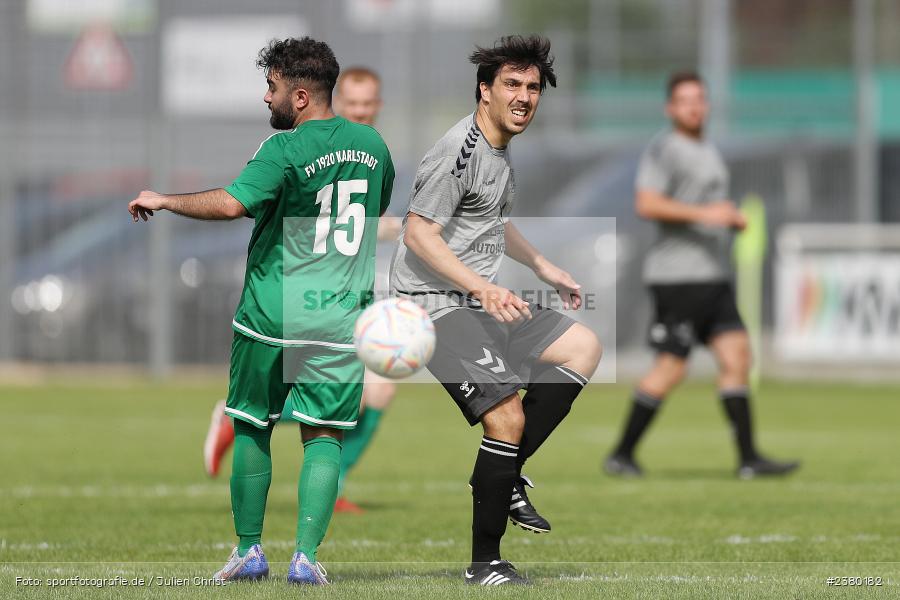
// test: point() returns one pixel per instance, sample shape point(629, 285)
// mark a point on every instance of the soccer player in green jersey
point(315, 190)
point(357, 97)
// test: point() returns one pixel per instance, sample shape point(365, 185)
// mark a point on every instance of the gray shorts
point(481, 361)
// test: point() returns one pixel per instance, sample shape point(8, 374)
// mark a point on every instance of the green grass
point(107, 480)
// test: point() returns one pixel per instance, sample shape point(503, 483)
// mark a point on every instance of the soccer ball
point(394, 338)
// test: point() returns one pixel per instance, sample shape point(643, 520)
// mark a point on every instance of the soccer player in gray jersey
point(682, 184)
point(490, 343)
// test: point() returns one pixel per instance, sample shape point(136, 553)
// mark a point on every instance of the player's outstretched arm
point(211, 205)
point(520, 250)
point(650, 204)
point(423, 238)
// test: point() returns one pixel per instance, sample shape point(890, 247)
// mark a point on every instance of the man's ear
point(485, 91)
point(301, 98)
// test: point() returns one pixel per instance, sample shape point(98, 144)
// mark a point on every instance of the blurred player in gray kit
point(682, 184)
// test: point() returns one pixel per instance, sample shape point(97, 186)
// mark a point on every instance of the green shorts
point(311, 384)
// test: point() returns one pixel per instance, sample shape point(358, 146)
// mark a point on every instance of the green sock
point(317, 492)
point(251, 475)
point(357, 440)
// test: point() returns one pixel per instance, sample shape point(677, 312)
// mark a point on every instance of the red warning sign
point(98, 61)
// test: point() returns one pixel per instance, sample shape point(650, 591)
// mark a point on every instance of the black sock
point(643, 409)
point(492, 483)
point(737, 407)
point(548, 399)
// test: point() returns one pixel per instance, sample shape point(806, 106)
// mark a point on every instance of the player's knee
point(379, 395)
point(506, 421)
point(746, 356)
point(737, 362)
point(675, 374)
point(667, 373)
point(514, 427)
point(512, 421)
point(309, 432)
point(386, 394)
point(583, 350)
point(593, 351)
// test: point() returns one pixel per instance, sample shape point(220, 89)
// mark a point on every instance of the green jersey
point(316, 193)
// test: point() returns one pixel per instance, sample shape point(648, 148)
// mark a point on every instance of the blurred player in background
point(357, 98)
point(319, 169)
point(682, 184)
point(490, 343)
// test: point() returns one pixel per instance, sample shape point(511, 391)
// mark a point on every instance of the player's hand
point(723, 214)
point(502, 304)
point(144, 205)
point(564, 284)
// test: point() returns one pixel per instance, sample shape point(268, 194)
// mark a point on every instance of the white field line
point(772, 538)
point(346, 544)
point(165, 490)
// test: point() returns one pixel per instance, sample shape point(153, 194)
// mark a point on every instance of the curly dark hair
point(302, 61)
point(517, 51)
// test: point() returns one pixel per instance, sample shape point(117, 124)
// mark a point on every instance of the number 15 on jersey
point(353, 213)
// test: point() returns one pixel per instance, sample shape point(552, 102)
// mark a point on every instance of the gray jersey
point(690, 171)
point(467, 187)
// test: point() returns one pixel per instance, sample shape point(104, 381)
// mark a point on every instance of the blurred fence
point(84, 126)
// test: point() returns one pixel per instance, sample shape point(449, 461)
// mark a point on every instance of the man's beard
point(282, 117)
point(691, 131)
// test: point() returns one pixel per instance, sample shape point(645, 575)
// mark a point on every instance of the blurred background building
point(100, 99)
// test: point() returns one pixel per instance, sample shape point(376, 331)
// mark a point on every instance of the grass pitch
point(106, 481)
